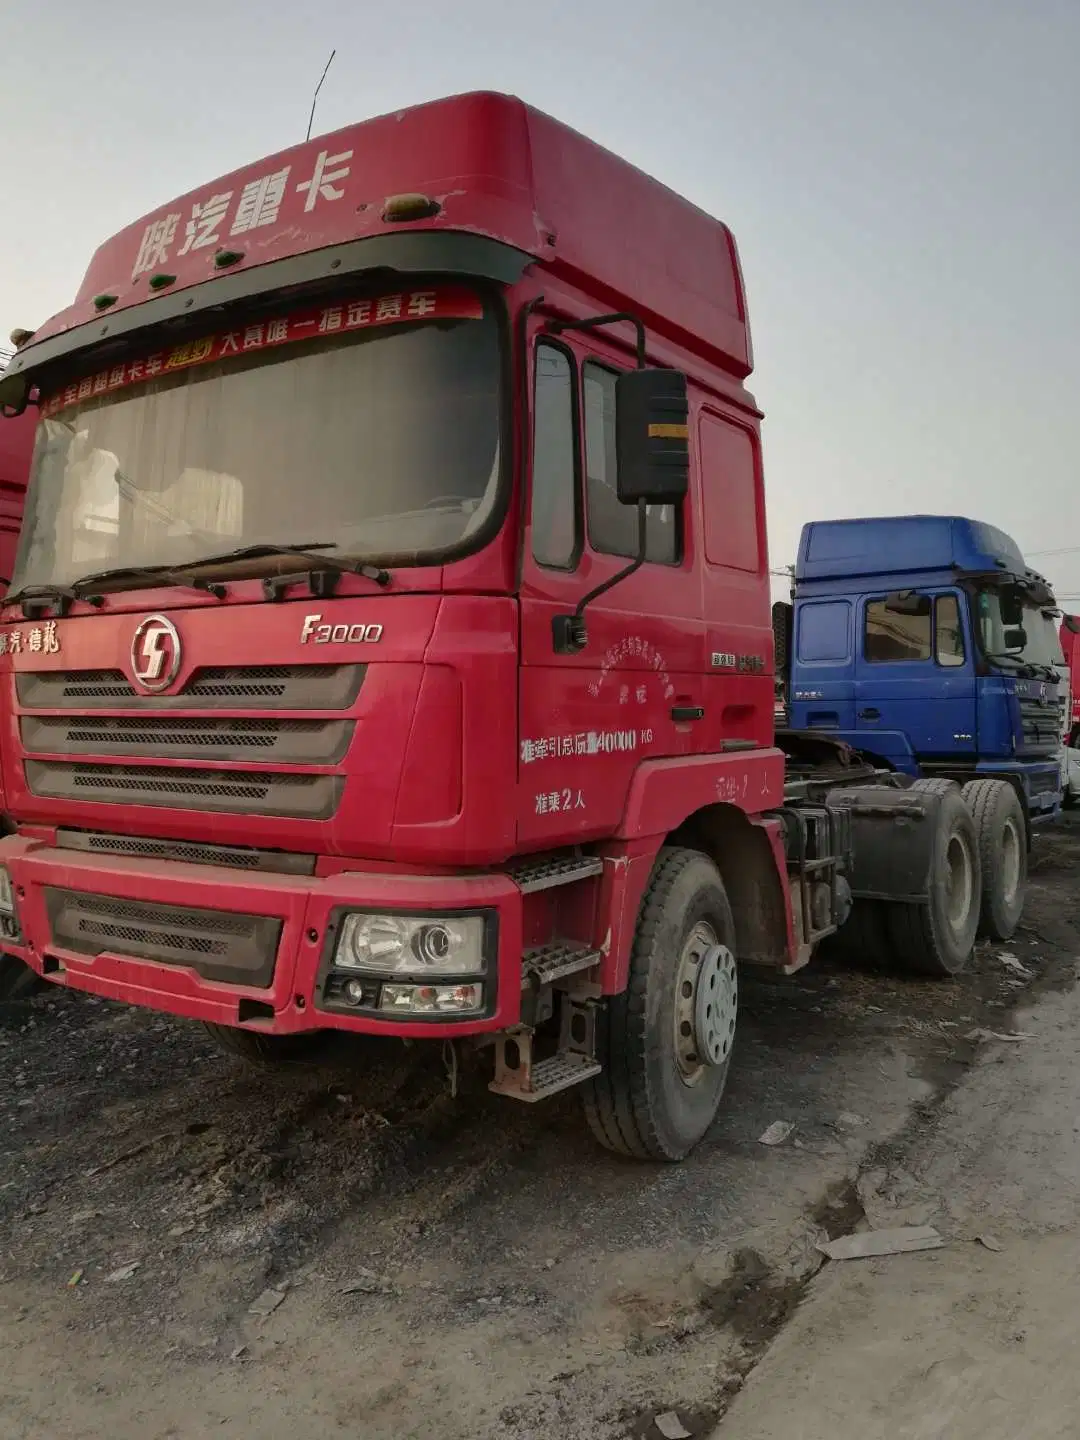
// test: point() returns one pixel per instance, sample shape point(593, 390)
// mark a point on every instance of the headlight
point(412, 944)
point(7, 894)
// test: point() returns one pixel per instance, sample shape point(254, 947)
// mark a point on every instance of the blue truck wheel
point(935, 936)
point(1001, 832)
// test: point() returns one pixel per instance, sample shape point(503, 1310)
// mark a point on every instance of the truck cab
point(925, 641)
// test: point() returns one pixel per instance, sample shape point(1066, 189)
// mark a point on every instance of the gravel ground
point(187, 1250)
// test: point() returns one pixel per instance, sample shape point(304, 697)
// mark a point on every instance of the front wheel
point(17, 981)
point(271, 1052)
point(665, 1043)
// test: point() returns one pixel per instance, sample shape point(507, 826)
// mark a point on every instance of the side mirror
point(1016, 638)
point(652, 437)
point(14, 394)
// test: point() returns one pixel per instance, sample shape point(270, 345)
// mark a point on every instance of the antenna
point(315, 97)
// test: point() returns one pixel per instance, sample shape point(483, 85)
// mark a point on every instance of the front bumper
point(271, 976)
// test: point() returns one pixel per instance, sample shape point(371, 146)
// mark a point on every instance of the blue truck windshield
point(1015, 632)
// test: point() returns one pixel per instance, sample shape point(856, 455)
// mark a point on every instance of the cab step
point(546, 1077)
point(545, 963)
point(533, 875)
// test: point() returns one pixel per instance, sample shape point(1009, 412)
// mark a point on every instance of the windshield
point(1005, 610)
point(381, 438)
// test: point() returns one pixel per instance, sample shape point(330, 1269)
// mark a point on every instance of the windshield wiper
point(38, 600)
point(273, 585)
point(139, 575)
point(1024, 668)
point(62, 597)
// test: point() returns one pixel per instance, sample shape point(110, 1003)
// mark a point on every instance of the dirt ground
point(977, 1340)
point(188, 1251)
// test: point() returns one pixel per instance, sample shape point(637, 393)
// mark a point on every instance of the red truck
point(16, 448)
point(1069, 634)
point(390, 647)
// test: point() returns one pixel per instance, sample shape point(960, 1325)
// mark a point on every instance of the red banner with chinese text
point(407, 306)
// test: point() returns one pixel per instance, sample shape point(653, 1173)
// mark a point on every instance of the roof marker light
point(399, 208)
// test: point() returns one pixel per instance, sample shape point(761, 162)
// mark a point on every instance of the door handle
point(870, 714)
point(688, 712)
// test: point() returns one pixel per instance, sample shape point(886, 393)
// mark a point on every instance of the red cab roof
point(497, 168)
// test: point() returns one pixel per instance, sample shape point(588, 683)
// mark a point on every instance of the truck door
point(588, 719)
point(915, 675)
point(823, 669)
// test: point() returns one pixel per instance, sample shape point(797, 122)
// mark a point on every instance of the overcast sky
point(902, 179)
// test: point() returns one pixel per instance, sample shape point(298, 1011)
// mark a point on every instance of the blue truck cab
point(925, 642)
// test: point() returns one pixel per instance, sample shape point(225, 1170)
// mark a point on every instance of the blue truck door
point(915, 672)
point(822, 676)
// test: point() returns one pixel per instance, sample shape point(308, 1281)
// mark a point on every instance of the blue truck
point(926, 644)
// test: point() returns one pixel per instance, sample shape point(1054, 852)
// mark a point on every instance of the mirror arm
point(568, 632)
point(557, 327)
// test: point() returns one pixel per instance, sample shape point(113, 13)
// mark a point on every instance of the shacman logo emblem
point(155, 653)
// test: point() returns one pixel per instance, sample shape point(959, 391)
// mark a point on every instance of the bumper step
point(546, 1077)
point(533, 875)
point(545, 963)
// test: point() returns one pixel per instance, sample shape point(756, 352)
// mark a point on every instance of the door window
point(948, 631)
point(554, 515)
point(898, 628)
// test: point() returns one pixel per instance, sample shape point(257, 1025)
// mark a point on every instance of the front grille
point(252, 687)
point(286, 742)
point(278, 862)
point(216, 944)
point(234, 792)
point(1040, 725)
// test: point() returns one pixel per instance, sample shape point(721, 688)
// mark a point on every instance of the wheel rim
point(958, 882)
point(706, 1004)
point(1010, 862)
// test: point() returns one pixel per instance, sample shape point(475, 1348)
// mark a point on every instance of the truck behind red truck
point(391, 649)
point(16, 448)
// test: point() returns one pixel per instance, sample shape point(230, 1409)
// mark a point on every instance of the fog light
point(432, 999)
point(354, 992)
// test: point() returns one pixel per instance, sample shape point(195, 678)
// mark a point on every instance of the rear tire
point(935, 937)
point(864, 938)
point(935, 786)
point(1002, 846)
point(656, 1097)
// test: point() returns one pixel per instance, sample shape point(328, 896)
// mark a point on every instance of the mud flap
point(892, 841)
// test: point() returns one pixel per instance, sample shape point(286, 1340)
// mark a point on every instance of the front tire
point(270, 1053)
point(17, 981)
point(665, 1043)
